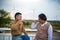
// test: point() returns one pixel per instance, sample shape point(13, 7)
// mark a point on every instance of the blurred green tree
point(4, 18)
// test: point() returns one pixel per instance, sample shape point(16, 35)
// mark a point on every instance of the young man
point(17, 27)
point(44, 29)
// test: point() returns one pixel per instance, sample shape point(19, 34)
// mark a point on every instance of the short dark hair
point(17, 14)
point(42, 16)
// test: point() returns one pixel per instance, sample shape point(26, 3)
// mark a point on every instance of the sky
point(30, 9)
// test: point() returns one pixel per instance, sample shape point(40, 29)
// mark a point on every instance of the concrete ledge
point(4, 29)
point(56, 30)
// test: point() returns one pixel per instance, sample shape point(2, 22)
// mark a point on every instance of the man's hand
point(20, 22)
point(33, 21)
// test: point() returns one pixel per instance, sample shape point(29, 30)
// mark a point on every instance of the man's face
point(41, 20)
point(19, 17)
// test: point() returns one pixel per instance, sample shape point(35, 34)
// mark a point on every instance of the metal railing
point(8, 36)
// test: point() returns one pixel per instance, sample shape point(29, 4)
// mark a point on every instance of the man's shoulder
point(49, 24)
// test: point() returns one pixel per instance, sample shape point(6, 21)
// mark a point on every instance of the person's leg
point(25, 37)
point(16, 37)
point(19, 37)
point(13, 38)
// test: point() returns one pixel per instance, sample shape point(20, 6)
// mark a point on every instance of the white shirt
point(50, 31)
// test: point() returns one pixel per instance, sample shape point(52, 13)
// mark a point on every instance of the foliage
point(4, 18)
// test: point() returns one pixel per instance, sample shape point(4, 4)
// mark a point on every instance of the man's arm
point(13, 25)
point(50, 32)
point(24, 31)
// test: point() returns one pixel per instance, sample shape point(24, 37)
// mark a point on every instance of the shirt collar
point(44, 23)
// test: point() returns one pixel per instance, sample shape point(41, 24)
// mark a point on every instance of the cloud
point(32, 8)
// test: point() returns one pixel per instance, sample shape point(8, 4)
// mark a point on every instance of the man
point(17, 27)
point(44, 29)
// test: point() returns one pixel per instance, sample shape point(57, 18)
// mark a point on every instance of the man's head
point(42, 18)
point(18, 16)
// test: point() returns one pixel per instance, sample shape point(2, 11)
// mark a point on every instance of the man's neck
point(43, 22)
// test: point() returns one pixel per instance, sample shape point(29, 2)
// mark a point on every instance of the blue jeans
point(25, 37)
point(16, 37)
point(20, 37)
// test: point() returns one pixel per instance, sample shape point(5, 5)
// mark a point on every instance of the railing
point(8, 36)
point(5, 36)
point(31, 33)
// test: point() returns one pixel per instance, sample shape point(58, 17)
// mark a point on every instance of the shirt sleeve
point(13, 25)
point(33, 25)
point(50, 31)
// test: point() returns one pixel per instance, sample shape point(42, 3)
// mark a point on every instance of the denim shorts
point(16, 37)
